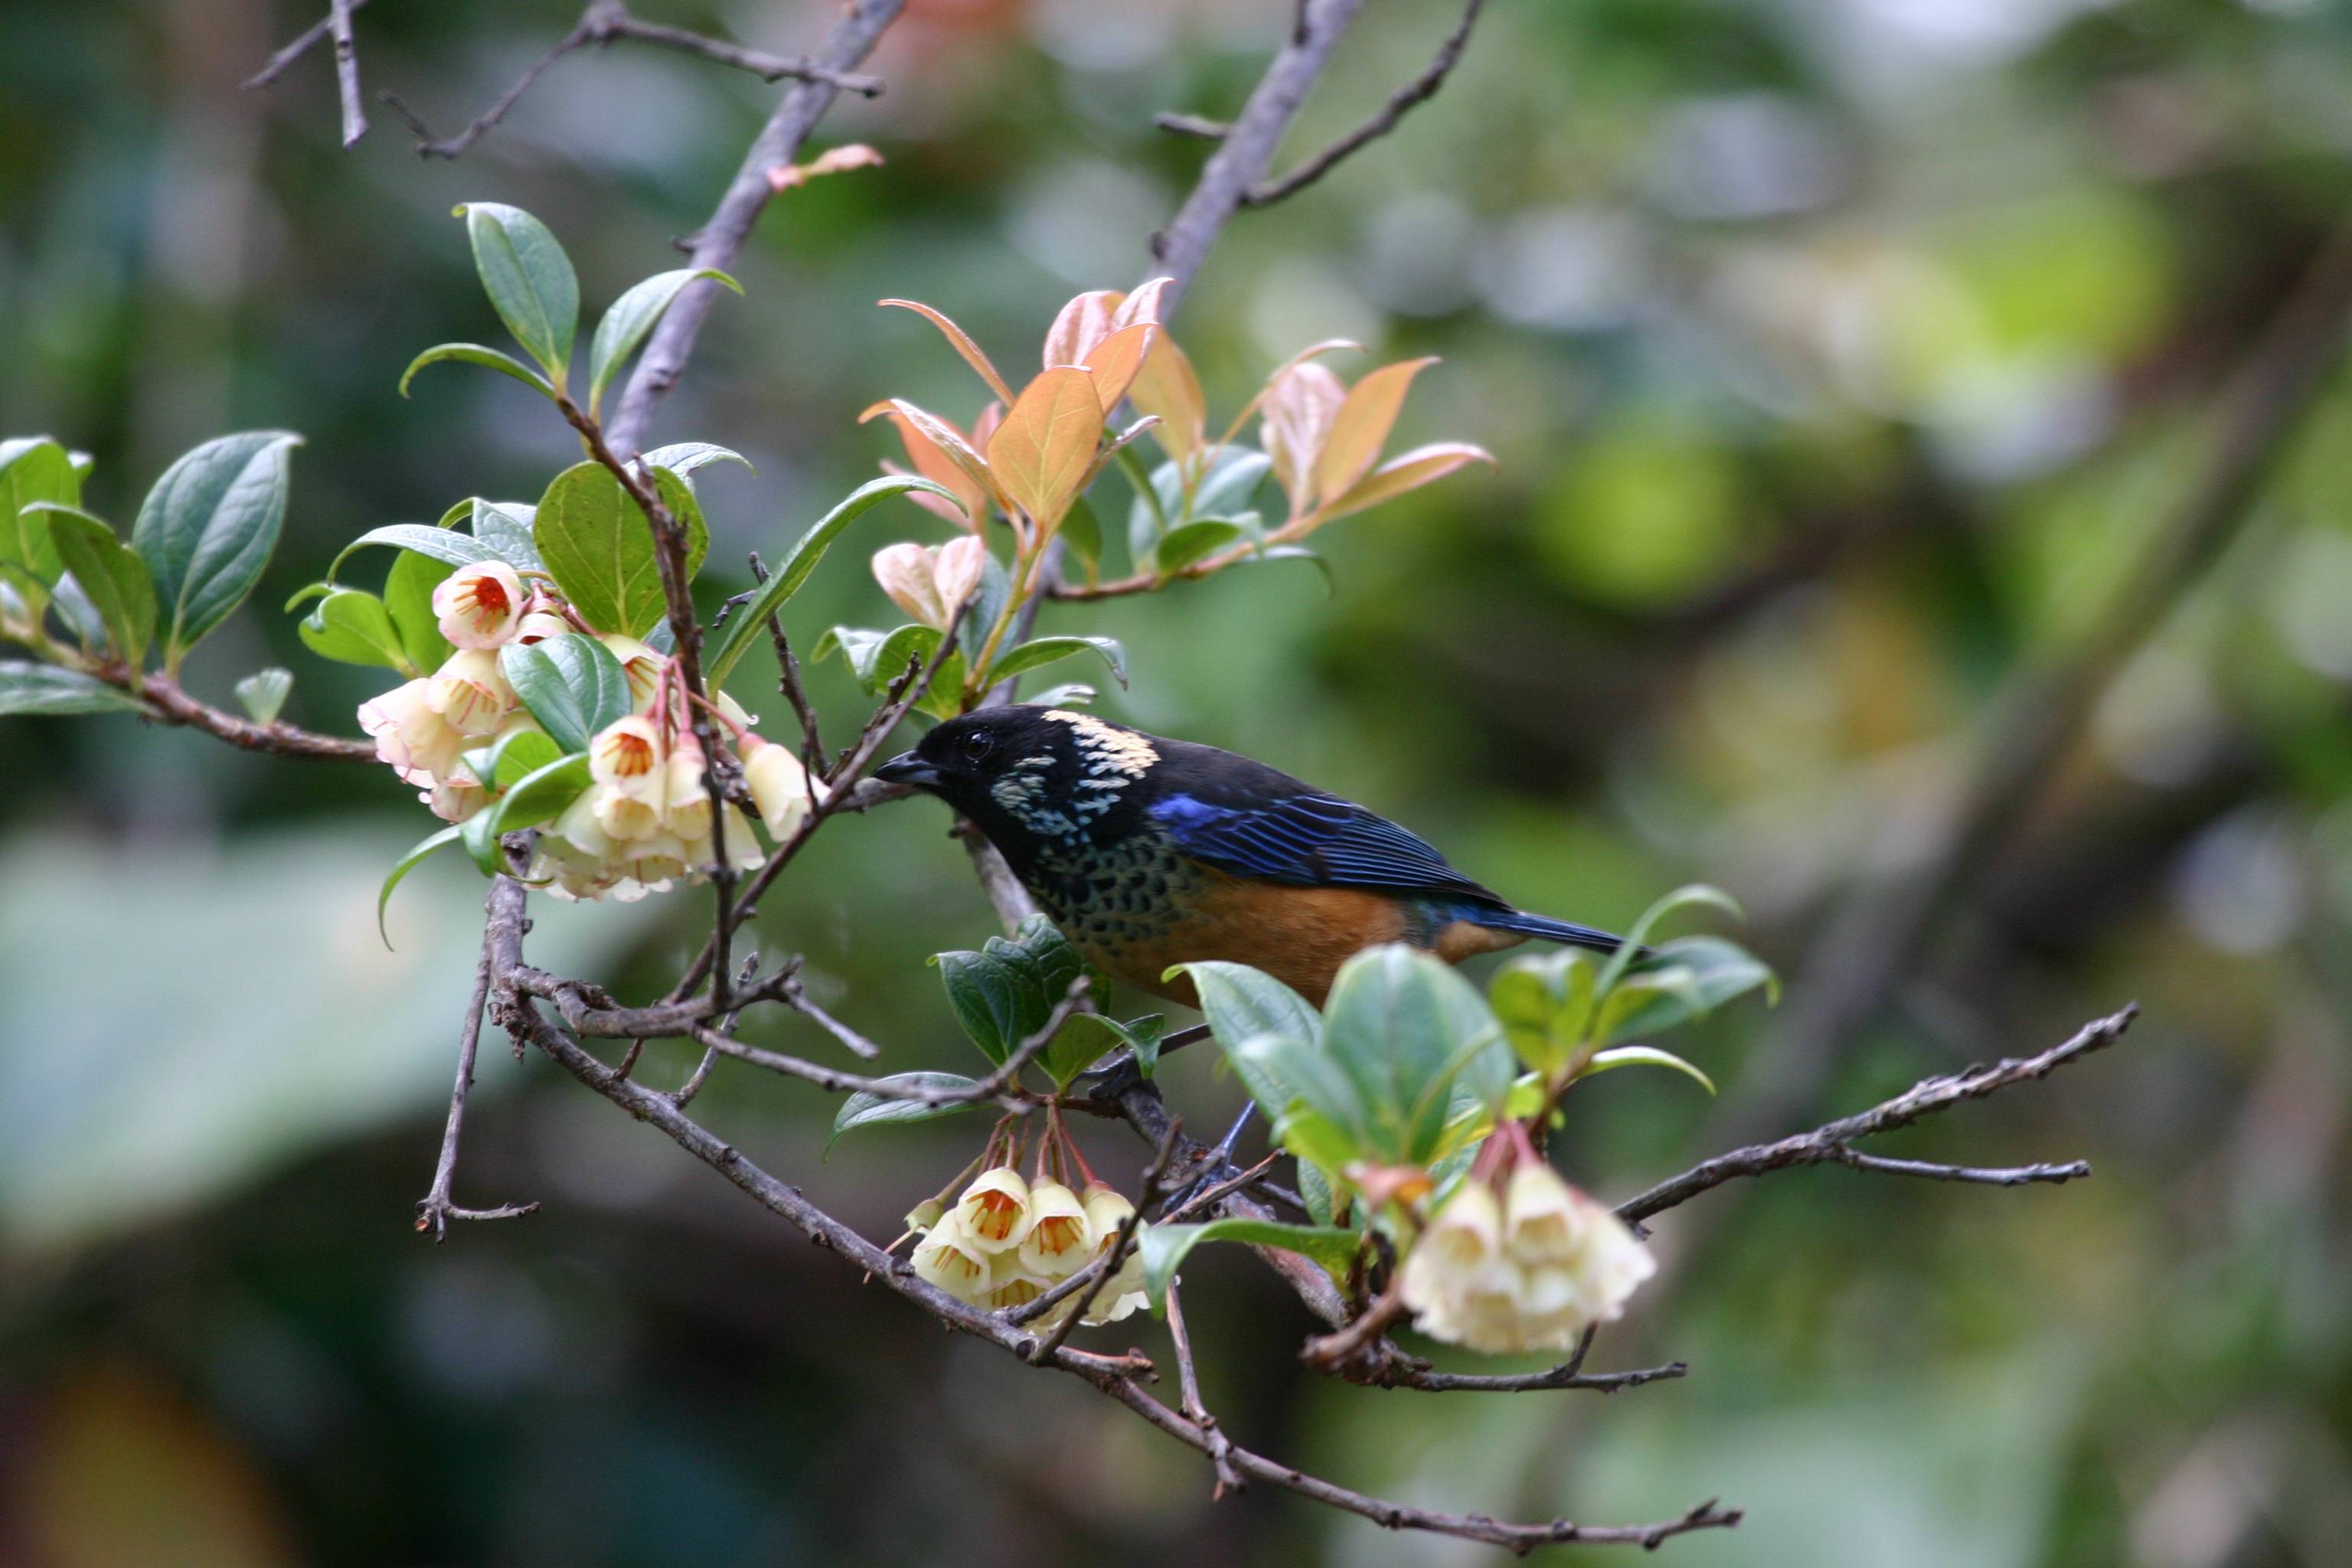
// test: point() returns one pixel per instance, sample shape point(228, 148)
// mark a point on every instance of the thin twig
point(1188, 1385)
point(168, 704)
point(346, 72)
point(1826, 1144)
point(310, 38)
point(436, 1211)
point(1417, 92)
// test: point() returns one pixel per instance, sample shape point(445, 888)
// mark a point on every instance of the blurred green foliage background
point(1839, 358)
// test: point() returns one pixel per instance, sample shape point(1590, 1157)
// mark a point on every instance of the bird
point(1149, 852)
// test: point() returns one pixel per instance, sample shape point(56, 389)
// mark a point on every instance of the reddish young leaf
point(1083, 322)
point(1143, 305)
point(1040, 455)
point(1361, 427)
point(1166, 386)
point(962, 342)
point(1116, 359)
point(1422, 465)
point(1300, 404)
point(940, 454)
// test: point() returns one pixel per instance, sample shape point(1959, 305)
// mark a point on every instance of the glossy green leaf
point(29, 688)
point(33, 469)
point(683, 457)
point(112, 577)
point(1005, 992)
point(1193, 542)
point(1041, 651)
point(529, 281)
point(479, 834)
point(1686, 979)
point(1544, 1002)
point(416, 855)
point(1403, 1025)
point(408, 599)
point(599, 545)
point(748, 625)
point(1245, 1006)
point(504, 527)
point(445, 546)
point(207, 529)
point(1645, 1056)
point(573, 685)
point(540, 796)
point(476, 353)
point(1142, 1035)
point(263, 693)
point(1164, 1247)
point(516, 755)
point(631, 317)
point(1230, 482)
point(987, 607)
point(1696, 893)
point(879, 658)
point(354, 627)
point(866, 1109)
point(1081, 533)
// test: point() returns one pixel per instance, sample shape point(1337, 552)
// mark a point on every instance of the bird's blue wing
point(1311, 841)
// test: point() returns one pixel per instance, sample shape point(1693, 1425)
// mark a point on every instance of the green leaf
point(445, 546)
point(207, 528)
point(1040, 651)
point(1230, 482)
point(877, 659)
point(33, 470)
point(1315, 1187)
point(529, 281)
point(1244, 1006)
point(1164, 1247)
point(112, 578)
point(1075, 694)
point(599, 545)
point(987, 607)
point(1192, 542)
point(748, 625)
point(1544, 1002)
point(1681, 897)
point(1141, 1036)
point(478, 833)
point(402, 867)
point(1686, 978)
point(1645, 1056)
point(866, 1109)
point(631, 317)
point(354, 627)
point(1402, 1025)
point(475, 354)
point(1005, 992)
point(1158, 504)
point(408, 599)
point(540, 796)
point(263, 693)
point(573, 685)
point(516, 755)
point(682, 458)
point(29, 688)
point(1082, 531)
point(504, 527)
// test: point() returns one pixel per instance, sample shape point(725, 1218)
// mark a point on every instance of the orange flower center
point(491, 596)
point(1058, 1234)
point(997, 1211)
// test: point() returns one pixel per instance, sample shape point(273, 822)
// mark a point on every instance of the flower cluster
point(645, 816)
point(1527, 1265)
point(1006, 1242)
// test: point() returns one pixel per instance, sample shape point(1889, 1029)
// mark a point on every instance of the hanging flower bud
point(685, 800)
point(538, 625)
point(418, 743)
point(640, 663)
point(470, 693)
point(1570, 1246)
point(627, 754)
point(1060, 1240)
point(907, 573)
point(480, 605)
point(1123, 1294)
point(948, 1259)
point(925, 1215)
point(780, 787)
point(457, 796)
point(995, 1211)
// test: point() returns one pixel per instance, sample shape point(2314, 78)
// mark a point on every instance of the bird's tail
point(1520, 922)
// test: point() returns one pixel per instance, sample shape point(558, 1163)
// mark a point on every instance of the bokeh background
point(1841, 359)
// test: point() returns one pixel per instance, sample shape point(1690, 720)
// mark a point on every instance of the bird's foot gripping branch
point(561, 704)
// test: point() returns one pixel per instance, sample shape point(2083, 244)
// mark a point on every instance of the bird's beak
point(906, 768)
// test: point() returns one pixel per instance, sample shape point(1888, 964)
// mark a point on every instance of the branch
point(346, 72)
point(310, 38)
point(167, 703)
point(1827, 1144)
point(1413, 94)
point(721, 240)
point(1117, 1377)
point(436, 1211)
point(1246, 150)
point(1188, 1383)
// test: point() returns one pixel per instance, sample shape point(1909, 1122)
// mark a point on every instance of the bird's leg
point(1215, 1162)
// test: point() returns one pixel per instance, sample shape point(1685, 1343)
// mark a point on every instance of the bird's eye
point(977, 745)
